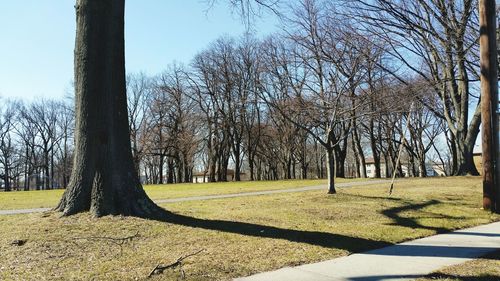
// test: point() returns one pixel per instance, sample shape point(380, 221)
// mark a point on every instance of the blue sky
point(37, 39)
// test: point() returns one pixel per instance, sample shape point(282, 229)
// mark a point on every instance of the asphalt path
point(223, 196)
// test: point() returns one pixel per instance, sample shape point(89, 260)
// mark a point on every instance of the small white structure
point(432, 170)
point(370, 168)
point(203, 176)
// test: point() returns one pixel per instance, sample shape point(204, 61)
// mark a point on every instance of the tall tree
point(437, 40)
point(7, 119)
point(104, 179)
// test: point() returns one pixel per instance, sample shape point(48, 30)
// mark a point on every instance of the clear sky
point(37, 40)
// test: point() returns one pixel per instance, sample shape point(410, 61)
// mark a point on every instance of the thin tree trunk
point(237, 164)
point(7, 176)
point(330, 166)
point(251, 167)
point(160, 168)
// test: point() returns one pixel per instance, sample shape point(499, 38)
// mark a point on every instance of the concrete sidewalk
point(222, 196)
point(405, 261)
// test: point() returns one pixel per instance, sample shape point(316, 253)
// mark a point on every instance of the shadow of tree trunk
point(323, 239)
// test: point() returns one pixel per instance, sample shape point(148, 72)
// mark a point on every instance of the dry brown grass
point(241, 236)
point(50, 198)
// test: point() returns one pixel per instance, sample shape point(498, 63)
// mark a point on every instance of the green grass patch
point(240, 236)
point(50, 198)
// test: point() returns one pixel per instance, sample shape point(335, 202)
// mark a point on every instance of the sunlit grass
point(240, 236)
point(49, 198)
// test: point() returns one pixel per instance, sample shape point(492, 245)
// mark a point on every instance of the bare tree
point(436, 40)
point(7, 145)
point(65, 124)
point(27, 132)
point(138, 87)
point(43, 115)
point(313, 81)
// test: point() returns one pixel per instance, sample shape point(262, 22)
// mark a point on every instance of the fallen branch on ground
point(115, 240)
point(119, 241)
point(159, 269)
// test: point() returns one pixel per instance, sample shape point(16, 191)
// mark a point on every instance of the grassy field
point(50, 198)
point(484, 269)
point(238, 236)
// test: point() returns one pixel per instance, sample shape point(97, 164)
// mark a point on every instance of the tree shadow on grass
point(398, 219)
point(394, 199)
point(316, 238)
point(395, 213)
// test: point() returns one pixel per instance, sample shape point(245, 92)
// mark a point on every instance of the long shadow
point(373, 197)
point(475, 234)
point(394, 214)
point(404, 250)
point(432, 276)
point(323, 239)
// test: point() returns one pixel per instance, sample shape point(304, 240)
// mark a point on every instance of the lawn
point(238, 236)
point(50, 198)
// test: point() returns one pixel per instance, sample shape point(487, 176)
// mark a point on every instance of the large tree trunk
point(104, 179)
point(464, 148)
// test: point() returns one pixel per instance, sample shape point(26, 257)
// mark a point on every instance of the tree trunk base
point(130, 200)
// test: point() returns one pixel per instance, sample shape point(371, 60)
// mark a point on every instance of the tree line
point(36, 144)
point(339, 85)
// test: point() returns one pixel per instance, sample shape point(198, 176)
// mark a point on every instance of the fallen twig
point(116, 240)
point(159, 269)
point(119, 241)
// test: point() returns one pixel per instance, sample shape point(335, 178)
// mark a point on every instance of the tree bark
point(330, 166)
point(104, 180)
point(6, 178)
point(489, 105)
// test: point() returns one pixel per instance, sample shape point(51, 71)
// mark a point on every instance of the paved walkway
point(405, 261)
point(208, 197)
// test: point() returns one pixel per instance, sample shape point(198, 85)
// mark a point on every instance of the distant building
point(203, 176)
point(370, 168)
point(439, 169)
point(432, 170)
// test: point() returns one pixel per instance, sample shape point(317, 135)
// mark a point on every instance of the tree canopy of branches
point(328, 96)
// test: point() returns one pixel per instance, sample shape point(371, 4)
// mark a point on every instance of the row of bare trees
point(343, 83)
point(339, 82)
point(36, 144)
